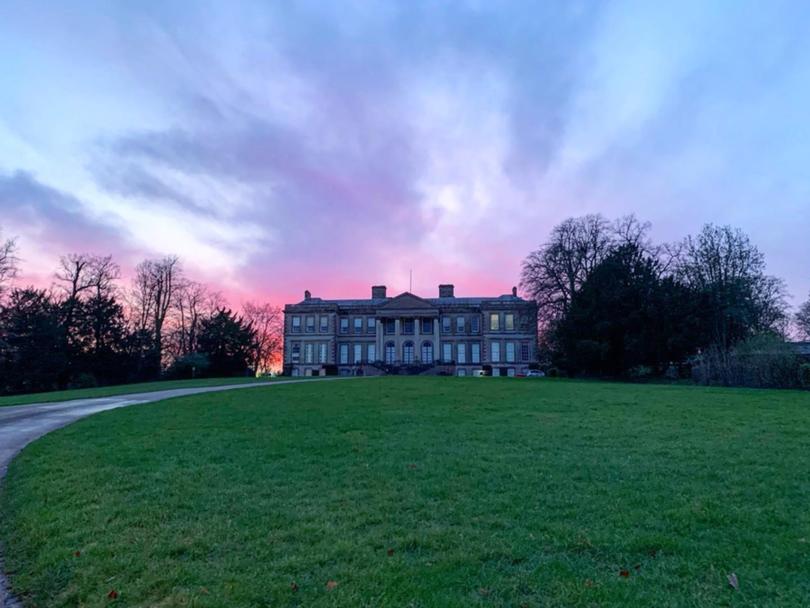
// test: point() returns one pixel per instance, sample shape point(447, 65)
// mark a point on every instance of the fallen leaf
point(588, 582)
point(331, 585)
point(411, 466)
point(113, 594)
point(390, 552)
point(294, 586)
point(733, 582)
point(624, 573)
point(77, 553)
point(637, 567)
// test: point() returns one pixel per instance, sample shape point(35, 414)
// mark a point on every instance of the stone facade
point(409, 334)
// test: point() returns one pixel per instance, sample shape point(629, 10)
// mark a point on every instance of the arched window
point(407, 353)
point(390, 352)
point(427, 352)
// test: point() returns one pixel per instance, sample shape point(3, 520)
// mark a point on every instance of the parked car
point(535, 373)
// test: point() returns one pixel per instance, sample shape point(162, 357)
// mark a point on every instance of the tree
point(8, 262)
point(803, 320)
point(724, 266)
point(229, 342)
point(154, 289)
point(193, 302)
point(267, 323)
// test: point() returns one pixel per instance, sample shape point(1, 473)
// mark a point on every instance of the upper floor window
point(460, 322)
point(324, 323)
point(475, 324)
point(494, 321)
point(407, 326)
point(310, 325)
point(427, 326)
point(509, 321)
point(445, 325)
point(358, 325)
point(344, 325)
point(371, 325)
point(390, 326)
point(296, 324)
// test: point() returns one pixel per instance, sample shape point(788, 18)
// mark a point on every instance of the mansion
point(408, 334)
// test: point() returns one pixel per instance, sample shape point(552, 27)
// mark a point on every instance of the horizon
point(281, 148)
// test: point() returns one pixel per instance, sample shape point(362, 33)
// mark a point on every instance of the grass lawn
point(440, 492)
point(120, 389)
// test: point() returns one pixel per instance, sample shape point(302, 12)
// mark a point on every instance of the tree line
point(89, 329)
point(613, 303)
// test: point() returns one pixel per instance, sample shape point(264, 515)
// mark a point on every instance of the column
point(436, 344)
point(379, 337)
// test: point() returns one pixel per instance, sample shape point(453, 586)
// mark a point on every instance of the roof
point(447, 301)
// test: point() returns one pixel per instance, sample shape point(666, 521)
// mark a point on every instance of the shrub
point(84, 380)
point(763, 361)
point(194, 365)
point(804, 375)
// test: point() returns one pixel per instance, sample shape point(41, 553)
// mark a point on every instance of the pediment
point(407, 301)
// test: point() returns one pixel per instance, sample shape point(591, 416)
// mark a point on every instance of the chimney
point(446, 291)
point(307, 295)
point(514, 292)
point(377, 291)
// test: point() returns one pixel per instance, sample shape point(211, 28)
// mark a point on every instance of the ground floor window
point(372, 353)
point(495, 352)
point(475, 352)
point(462, 372)
point(308, 353)
point(344, 354)
point(510, 372)
point(296, 353)
point(427, 352)
point(322, 353)
point(461, 353)
point(407, 353)
point(358, 353)
point(296, 372)
point(524, 351)
point(510, 352)
point(447, 352)
point(390, 353)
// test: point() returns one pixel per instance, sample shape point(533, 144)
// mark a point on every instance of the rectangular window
point(447, 352)
point(462, 372)
point(495, 352)
point(296, 324)
point(427, 326)
point(390, 327)
point(475, 352)
point(510, 372)
point(475, 323)
point(524, 351)
point(459, 325)
point(310, 324)
point(509, 321)
point(358, 353)
point(407, 327)
point(324, 324)
point(445, 325)
point(296, 353)
point(494, 321)
point(358, 325)
point(308, 348)
point(371, 325)
point(322, 352)
point(372, 353)
point(510, 352)
point(461, 353)
point(344, 325)
point(344, 354)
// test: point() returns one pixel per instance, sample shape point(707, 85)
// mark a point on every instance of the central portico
point(408, 330)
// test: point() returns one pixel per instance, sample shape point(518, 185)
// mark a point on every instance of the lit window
point(427, 352)
point(324, 324)
point(427, 326)
point(358, 325)
point(524, 351)
point(445, 325)
point(509, 321)
point(372, 353)
point(475, 352)
point(494, 321)
point(322, 352)
point(447, 352)
point(310, 325)
point(510, 352)
point(344, 325)
point(390, 353)
point(296, 324)
point(308, 348)
point(475, 323)
point(344, 354)
point(495, 351)
point(371, 325)
point(358, 353)
point(407, 353)
point(296, 353)
point(459, 325)
point(461, 354)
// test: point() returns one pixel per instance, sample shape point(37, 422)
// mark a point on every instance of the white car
point(535, 373)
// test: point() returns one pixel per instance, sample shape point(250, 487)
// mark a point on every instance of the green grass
point(120, 389)
point(485, 492)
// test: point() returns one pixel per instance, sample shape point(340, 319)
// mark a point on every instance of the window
point(358, 325)
point(524, 351)
point(296, 353)
point(407, 353)
point(475, 324)
point(308, 349)
point(427, 352)
point(296, 324)
point(510, 352)
point(447, 352)
point(445, 325)
point(371, 325)
point(372, 353)
point(495, 352)
point(310, 325)
point(390, 327)
point(390, 353)
point(494, 321)
point(510, 372)
point(461, 353)
point(344, 354)
point(462, 372)
point(322, 352)
point(427, 326)
point(344, 325)
point(475, 352)
point(459, 325)
point(296, 372)
point(358, 354)
point(407, 327)
point(324, 324)
point(509, 321)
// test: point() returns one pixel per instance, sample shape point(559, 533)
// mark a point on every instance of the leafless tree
point(8, 262)
point(266, 321)
point(154, 288)
point(803, 320)
point(193, 302)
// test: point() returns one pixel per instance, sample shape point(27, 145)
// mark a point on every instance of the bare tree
point(803, 320)
point(193, 302)
point(553, 273)
point(154, 289)
point(8, 262)
point(266, 321)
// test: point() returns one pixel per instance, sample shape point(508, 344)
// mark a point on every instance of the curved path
point(22, 424)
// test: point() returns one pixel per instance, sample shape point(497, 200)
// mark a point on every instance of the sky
point(283, 146)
